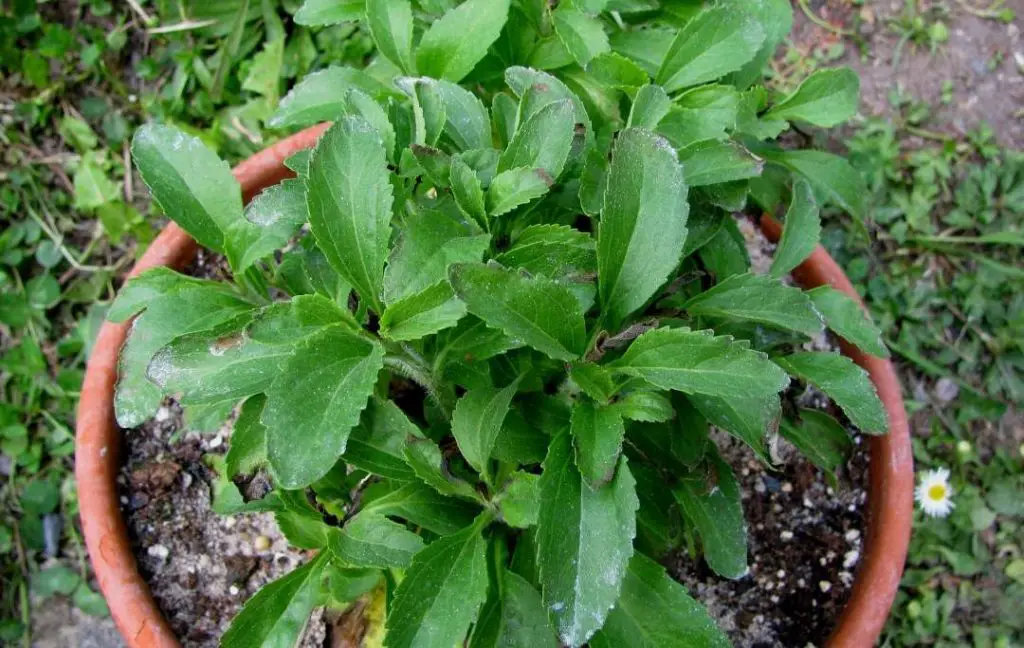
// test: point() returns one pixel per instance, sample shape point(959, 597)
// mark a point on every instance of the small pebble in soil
point(786, 535)
point(824, 586)
point(158, 551)
point(261, 543)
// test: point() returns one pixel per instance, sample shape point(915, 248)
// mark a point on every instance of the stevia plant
point(478, 351)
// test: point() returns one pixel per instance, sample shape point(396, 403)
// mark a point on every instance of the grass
point(941, 272)
point(942, 275)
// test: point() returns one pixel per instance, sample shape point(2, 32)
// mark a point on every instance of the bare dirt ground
point(983, 59)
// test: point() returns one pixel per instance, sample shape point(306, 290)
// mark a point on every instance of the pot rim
point(97, 442)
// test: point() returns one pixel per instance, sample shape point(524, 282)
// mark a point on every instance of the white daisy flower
point(934, 493)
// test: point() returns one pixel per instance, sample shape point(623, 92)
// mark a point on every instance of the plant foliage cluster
point(479, 340)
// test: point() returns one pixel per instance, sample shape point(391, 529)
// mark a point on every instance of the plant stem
point(992, 11)
point(821, 22)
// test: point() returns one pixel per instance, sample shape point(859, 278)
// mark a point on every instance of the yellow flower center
point(937, 492)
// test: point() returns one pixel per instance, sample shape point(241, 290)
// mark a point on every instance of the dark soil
point(804, 541)
point(201, 567)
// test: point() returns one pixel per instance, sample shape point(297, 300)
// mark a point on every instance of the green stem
point(821, 22)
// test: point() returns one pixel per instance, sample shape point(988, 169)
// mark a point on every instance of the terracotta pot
point(98, 440)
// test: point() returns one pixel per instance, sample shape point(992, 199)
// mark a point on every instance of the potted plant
point(475, 349)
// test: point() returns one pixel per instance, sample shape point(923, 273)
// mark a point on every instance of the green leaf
point(467, 124)
point(647, 406)
point(845, 383)
point(345, 584)
point(541, 141)
point(360, 104)
point(471, 341)
point(554, 251)
point(441, 593)
point(477, 420)
point(848, 319)
point(517, 619)
point(317, 398)
point(697, 362)
point(314, 13)
point(248, 447)
point(595, 381)
point(584, 542)
point(649, 107)
point(750, 419)
point(826, 98)
point(643, 224)
point(597, 434)
point(218, 364)
point(371, 540)
point(776, 17)
point(299, 161)
point(716, 42)
point(516, 187)
point(708, 163)
point(456, 42)
point(377, 444)
point(429, 111)
point(195, 306)
point(713, 505)
point(276, 213)
point(431, 466)
point(677, 445)
point(820, 438)
point(429, 243)
point(285, 323)
point(277, 614)
point(581, 34)
point(647, 47)
point(423, 506)
point(725, 253)
point(801, 231)
point(505, 114)
point(390, 23)
point(90, 602)
point(519, 442)
point(141, 290)
point(654, 611)
point(422, 314)
point(758, 298)
point(704, 224)
point(519, 503)
point(467, 191)
point(264, 76)
point(616, 71)
point(320, 96)
point(831, 177)
point(92, 187)
point(193, 186)
point(659, 524)
point(702, 113)
point(349, 198)
point(538, 89)
point(39, 497)
point(300, 522)
point(534, 310)
point(748, 120)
